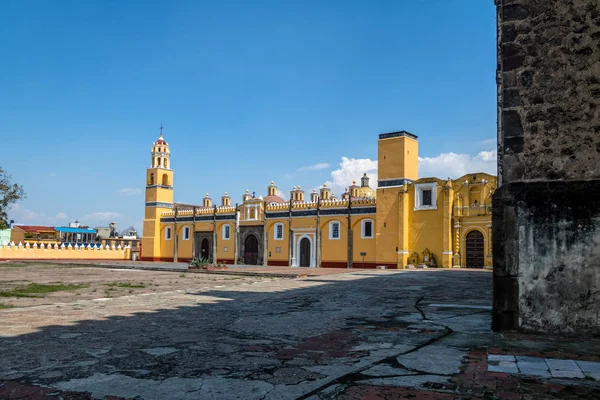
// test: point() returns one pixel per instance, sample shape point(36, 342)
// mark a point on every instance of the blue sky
point(248, 92)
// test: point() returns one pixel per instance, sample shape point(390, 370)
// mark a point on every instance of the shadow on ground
point(266, 339)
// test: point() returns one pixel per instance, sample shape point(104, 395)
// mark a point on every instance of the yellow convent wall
point(25, 252)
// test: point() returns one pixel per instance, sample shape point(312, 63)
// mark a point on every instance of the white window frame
point(224, 230)
point(419, 188)
point(275, 231)
point(186, 229)
point(249, 209)
point(168, 233)
point(362, 228)
point(331, 230)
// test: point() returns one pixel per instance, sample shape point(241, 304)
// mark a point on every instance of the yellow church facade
point(405, 222)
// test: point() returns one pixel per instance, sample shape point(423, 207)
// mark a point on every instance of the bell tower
point(159, 196)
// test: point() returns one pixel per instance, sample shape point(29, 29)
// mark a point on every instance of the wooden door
point(251, 250)
point(475, 250)
point(305, 252)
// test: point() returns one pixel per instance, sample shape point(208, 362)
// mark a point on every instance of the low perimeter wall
point(56, 252)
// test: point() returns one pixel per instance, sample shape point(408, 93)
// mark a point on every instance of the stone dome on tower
point(272, 196)
point(161, 141)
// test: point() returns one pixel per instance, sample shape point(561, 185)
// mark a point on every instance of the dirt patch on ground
point(27, 284)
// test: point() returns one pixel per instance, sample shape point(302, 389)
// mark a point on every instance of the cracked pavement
point(255, 338)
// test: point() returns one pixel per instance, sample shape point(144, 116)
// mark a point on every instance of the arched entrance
point(475, 250)
point(205, 249)
point(251, 250)
point(305, 252)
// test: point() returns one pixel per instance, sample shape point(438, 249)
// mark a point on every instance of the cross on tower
point(161, 127)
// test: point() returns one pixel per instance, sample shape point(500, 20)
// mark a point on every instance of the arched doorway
point(305, 252)
point(475, 250)
point(205, 249)
point(251, 250)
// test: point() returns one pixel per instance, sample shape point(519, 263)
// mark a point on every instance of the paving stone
point(372, 346)
point(566, 365)
point(545, 373)
point(387, 370)
point(589, 366)
point(532, 365)
point(413, 381)
point(69, 335)
point(508, 367)
point(499, 357)
point(530, 359)
point(101, 385)
point(434, 360)
point(593, 375)
point(567, 374)
point(97, 352)
point(85, 363)
point(162, 351)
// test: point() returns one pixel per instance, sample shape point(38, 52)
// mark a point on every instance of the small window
point(426, 197)
point(334, 230)
point(168, 233)
point(226, 232)
point(367, 229)
point(186, 233)
point(278, 231)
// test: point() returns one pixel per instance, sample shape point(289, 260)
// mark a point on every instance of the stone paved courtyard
point(379, 334)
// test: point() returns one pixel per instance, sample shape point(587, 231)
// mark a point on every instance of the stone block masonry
point(546, 215)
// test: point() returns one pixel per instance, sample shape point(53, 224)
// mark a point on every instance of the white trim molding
point(419, 188)
point(224, 230)
point(296, 249)
point(403, 252)
point(339, 228)
point(447, 253)
point(278, 225)
point(362, 228)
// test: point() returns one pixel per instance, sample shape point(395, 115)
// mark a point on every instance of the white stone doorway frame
point(300, 234)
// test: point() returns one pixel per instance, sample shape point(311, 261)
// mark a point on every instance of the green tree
point(10, 193)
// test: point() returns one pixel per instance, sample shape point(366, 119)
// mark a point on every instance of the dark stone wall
point(549, 89)
point(546, 216)
point(547, 263)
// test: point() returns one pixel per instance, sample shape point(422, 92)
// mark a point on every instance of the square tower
point(398, 165)
point(398, 158)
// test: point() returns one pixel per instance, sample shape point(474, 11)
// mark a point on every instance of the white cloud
point(454, 165)
point(314, 167)
point(281, 194)
point(25, 216)
point(288, 176)
point(352, 169)
point(99, 218)
point(442, 166)
point(130, 191)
